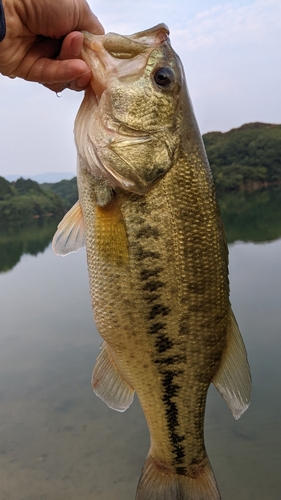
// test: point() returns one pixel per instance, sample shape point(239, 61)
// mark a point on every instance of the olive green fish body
point(166, 310)
point(157, 259)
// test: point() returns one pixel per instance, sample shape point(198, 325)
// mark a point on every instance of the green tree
point(25, 199)
point(246, 157)
point(6, 190)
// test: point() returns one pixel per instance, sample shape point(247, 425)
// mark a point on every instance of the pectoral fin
point(233, 379)
point(110, 235)
point(109, 384)
point(69, 236)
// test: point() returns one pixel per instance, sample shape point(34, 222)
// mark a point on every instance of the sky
point(231, 52)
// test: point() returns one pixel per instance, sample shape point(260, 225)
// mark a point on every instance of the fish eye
point(164, 77)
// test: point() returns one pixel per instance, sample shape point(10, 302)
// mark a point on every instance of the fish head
point(126, 128)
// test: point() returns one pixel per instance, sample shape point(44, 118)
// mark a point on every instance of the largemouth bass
point(157, 257)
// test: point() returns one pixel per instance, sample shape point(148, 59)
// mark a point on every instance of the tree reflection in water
point(252, 217)
point(31, 238)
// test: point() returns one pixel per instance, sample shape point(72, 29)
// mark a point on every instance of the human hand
point(43, 44)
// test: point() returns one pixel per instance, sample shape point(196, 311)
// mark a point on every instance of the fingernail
point(83, 80)
point(77, 43)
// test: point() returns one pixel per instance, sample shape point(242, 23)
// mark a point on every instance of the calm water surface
point(58, 441)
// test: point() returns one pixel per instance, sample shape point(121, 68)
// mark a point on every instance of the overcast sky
point(231, 51)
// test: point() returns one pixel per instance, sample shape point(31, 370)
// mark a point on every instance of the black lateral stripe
point(153, 285)
point(158, 310)
point(148, 232)
point(156, 327)
point(181, 471)
point(171, 360)
point(151, 297)
point(145, 274)
point(142, 254)
point(163, 343)
point(171, 389)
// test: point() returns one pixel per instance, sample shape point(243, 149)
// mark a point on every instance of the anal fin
point(109, 384)
point(233, 379)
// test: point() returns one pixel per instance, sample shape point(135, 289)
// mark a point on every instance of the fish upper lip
point(88, 37)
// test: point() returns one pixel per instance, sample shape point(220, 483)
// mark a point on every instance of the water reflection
point(252, 216)
point(30, 238)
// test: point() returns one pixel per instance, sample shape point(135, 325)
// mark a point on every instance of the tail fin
point(158, 483)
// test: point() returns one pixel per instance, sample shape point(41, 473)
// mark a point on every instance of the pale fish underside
point(157, 257)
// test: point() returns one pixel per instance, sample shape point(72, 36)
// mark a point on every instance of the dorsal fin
point(70, 235)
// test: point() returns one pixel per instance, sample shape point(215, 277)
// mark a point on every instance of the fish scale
point(157, 258)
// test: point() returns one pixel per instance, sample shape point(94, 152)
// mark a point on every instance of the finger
point(81, 83)
point(40, 66)
point(89, 22)
point(58, 18)
point(71, 46)
point(94, 26)
point(50, 71)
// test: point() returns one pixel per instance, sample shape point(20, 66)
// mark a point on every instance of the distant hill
point(66, 189)
point(247, 157)
point(24, 199)
point(49, 177)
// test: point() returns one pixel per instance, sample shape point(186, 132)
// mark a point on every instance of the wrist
point(11, 48)
point(12, 17)
point(2, 22)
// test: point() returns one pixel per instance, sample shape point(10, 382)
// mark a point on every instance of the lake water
point(58, 441)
